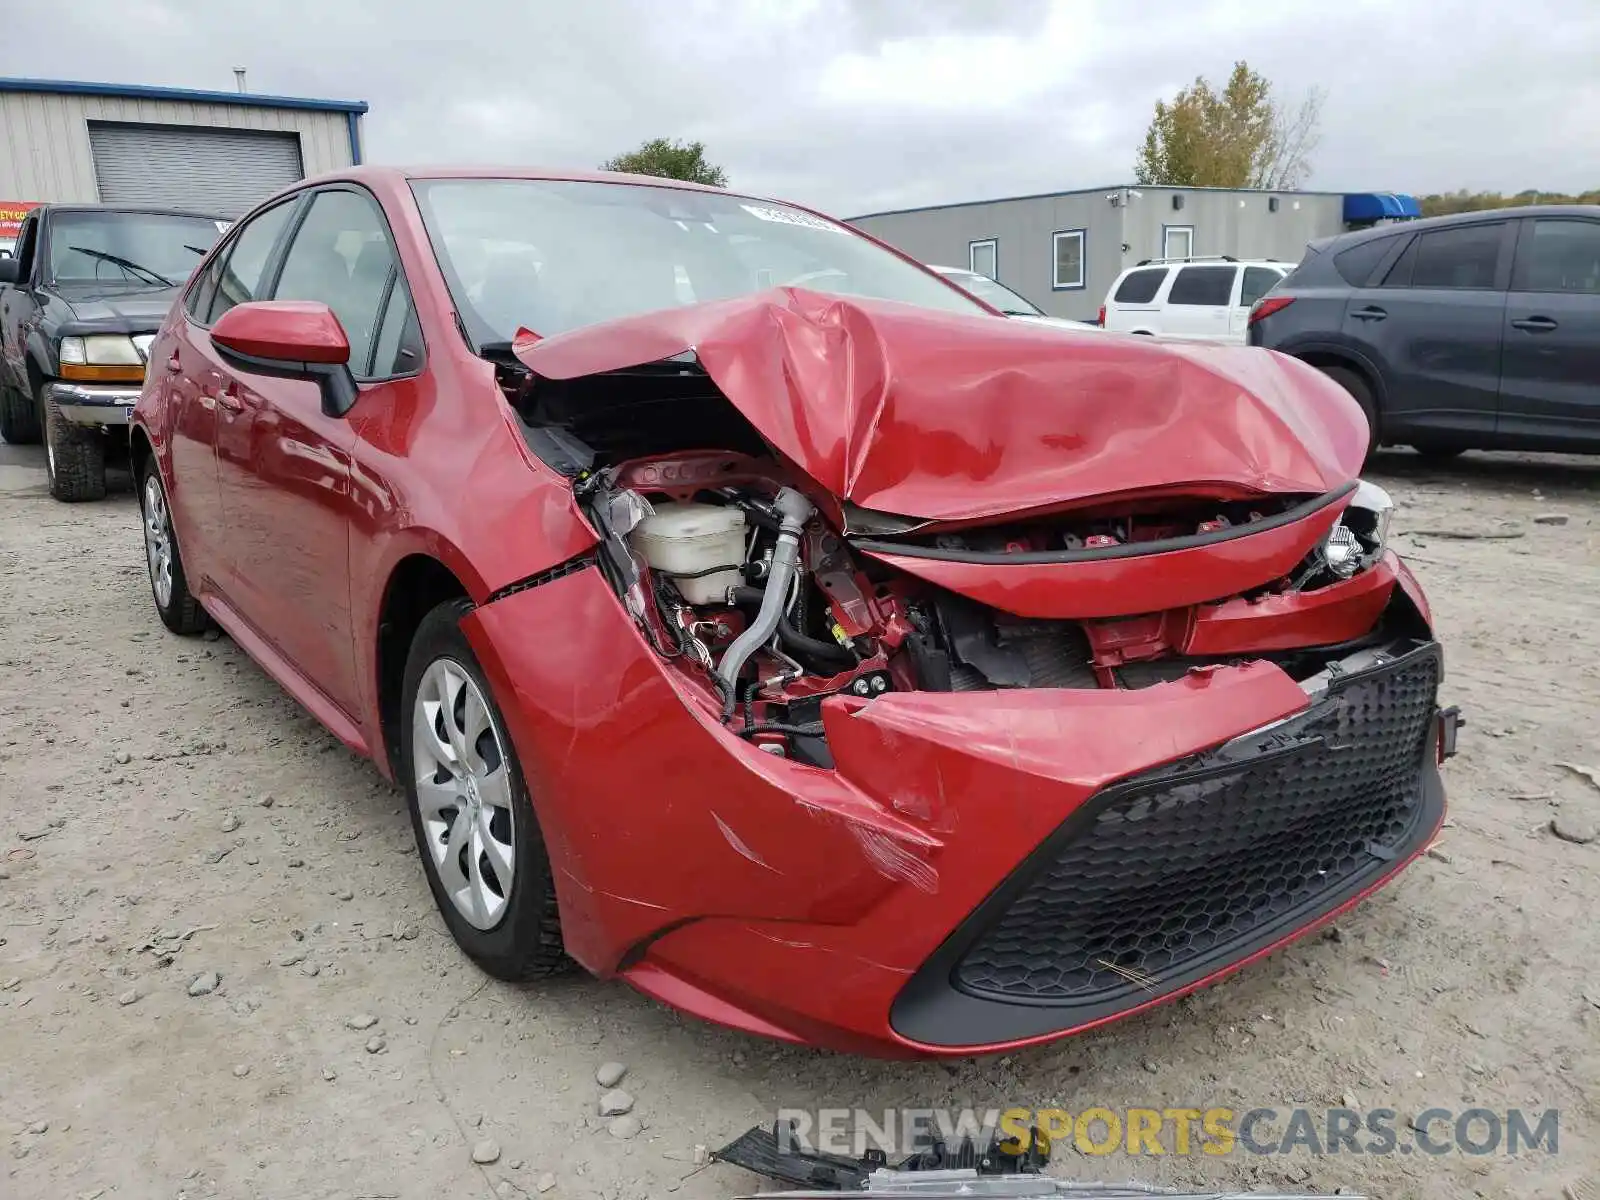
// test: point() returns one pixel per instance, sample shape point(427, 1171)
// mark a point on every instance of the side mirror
point(10, 270)
point(290, 339)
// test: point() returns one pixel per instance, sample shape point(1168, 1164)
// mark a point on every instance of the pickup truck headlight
point(101, 357)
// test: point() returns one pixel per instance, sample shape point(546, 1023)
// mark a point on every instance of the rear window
point(1202, 285)
point(1258, 281)
point(1140, 287)
point(1356, 265)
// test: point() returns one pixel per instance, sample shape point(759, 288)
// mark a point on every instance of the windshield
point(996, 294)
point(553, 255)
point(150, 249)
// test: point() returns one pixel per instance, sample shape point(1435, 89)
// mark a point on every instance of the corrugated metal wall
point(44, 138)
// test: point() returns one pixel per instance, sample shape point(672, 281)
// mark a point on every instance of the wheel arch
point(417, 584)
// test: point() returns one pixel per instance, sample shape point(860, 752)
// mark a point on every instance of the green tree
point(1443, 203)
point(670, 160)
point(1239, 137)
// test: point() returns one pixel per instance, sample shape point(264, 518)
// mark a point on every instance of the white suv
point(1207, 299)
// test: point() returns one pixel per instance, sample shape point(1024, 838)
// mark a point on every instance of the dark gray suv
point(1474, 331)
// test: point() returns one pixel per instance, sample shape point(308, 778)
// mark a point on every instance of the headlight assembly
point(1355, 543)
point(101, 357)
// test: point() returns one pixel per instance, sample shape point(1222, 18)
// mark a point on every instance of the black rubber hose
point(800, 644)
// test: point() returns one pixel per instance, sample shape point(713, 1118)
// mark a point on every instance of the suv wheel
point(479, 839)
point(1359, 388)
point(19, 420)
point(74, 457)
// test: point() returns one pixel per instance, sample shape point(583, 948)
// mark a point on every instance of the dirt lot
point(166, 812)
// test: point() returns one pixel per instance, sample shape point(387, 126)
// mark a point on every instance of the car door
point(1434, 328)
point(1198, 301)
point(195, 374)
point(1550, 367)
point(17, 306)
point(284, 464)
point(1254, 283)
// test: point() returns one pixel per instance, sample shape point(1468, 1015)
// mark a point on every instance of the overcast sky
point(861, 105)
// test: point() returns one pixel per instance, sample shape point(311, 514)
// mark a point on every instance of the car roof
point(400, 176)
point(1356, 236)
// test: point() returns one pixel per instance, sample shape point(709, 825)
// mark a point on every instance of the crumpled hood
point(943, 416)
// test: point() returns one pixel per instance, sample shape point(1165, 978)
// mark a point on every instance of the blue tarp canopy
point(1378, 206)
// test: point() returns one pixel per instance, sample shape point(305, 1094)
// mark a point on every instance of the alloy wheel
point(463, 782)
point(157, 539)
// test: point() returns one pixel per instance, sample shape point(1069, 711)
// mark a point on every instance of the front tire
point(476, 831)
point(74, 457)
point(169, 586)
point(19, 420)
point(1361, 391)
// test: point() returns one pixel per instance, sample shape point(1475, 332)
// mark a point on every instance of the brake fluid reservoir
point(700, 547)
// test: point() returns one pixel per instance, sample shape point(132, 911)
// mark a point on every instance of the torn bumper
point(921, 897)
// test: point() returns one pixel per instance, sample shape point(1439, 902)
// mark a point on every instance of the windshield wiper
point(200, 250)
point(127, 264)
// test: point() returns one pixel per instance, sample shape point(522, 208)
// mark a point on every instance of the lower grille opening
point(1209, 858)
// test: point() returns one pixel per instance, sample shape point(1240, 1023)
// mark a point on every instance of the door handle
point(1534, 324)
point(1370, 313)
point(228, 397)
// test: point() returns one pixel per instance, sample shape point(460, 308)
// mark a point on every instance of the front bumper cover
point(1178, 874)
point(94, 404)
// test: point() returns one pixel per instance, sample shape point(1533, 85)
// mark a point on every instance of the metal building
point(1062, 250)
point(117, 143)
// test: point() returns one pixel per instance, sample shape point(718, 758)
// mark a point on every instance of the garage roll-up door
point(224, 171)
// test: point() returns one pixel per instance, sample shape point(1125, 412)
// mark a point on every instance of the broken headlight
point(1361, 535)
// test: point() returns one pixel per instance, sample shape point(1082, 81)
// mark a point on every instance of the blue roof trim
point(1380, 206)
point(138, 91)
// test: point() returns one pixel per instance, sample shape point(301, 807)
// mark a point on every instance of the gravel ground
point(221, 973)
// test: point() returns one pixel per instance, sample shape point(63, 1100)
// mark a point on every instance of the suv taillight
point(1268, 305)
point(1101, 319)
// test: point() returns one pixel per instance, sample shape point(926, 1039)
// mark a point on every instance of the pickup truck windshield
point(553, 255)
point(148, 249)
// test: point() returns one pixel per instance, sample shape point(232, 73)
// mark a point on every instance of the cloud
point(858, 105)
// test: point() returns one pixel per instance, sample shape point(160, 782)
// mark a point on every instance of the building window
point(1177, 241)
point(1068, 247)
point(984, 257)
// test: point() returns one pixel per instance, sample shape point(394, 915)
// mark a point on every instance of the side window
point(1560, 256)
point(1400, 274)
point(397, 350)
point(1459, 258)
point(1258, 281)
point(1140, 287)
point(1356, 265)
point(341, 256)
point(1202, 285)
point(239, 269)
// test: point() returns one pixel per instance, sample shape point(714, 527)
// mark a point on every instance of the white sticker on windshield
point(788, 216)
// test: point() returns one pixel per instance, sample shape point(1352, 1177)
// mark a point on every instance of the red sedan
point(752, 615)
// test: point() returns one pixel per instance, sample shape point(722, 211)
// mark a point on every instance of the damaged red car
point(752, 615)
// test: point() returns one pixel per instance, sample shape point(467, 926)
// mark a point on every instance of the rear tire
point(1361, 390)
point(513, 934)
point(19, 420)
point(74, 457)
point(1438, 456)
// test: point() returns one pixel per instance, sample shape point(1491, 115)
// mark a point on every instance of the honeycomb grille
point(1209, 858)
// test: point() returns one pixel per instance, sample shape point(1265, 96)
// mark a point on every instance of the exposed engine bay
point(754, 583)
